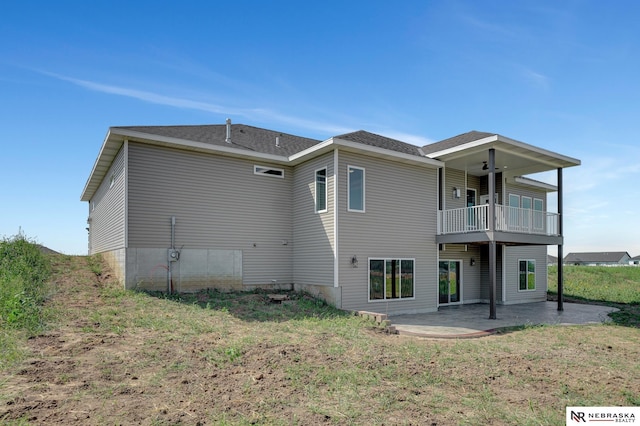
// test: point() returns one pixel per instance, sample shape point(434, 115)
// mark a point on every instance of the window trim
point(349, 209)
point(112, 180)
point(535, 272)
point(326, 190)
point(266, 169)
point(384, 260)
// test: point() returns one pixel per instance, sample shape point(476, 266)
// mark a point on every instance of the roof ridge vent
point(228, 139)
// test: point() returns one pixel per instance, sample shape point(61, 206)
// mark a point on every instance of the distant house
point(635, 261)
point(551, 260)
point(364, 221)
point(611, 258)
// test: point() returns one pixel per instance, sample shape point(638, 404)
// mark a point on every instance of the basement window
point(268, 171)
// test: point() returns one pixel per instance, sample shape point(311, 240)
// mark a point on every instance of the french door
point(449, 281)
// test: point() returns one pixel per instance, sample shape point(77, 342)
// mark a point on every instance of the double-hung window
point(321, 190)
point(391, 279)
point(355, 189)
point(527, 275)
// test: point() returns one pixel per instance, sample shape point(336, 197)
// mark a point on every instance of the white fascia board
point(535, 183)
point(115, 138)
point(464, 147)
point(498, 138)
point(564, 158)
point(311, 152)
point(99, 160)
point(201, 146)
point(388, 153)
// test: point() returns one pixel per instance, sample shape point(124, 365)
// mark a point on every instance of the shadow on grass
point(256, 305)
point(627, 316)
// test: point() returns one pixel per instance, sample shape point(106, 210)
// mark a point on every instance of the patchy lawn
point(118, 357)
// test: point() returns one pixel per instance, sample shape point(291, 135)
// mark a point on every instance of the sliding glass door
point(449, 281)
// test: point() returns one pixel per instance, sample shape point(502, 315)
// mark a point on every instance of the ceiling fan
point(485, 166)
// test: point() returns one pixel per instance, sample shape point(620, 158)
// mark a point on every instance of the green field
point(613, 286)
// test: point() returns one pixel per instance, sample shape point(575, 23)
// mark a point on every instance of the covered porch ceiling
point(511, 156)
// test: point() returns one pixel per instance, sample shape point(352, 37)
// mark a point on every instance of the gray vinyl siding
point(513, 255)
point(471, 275)
point(107, 220)
point(313, 233)
point(399, 222)
point(218, 202)
point(454, 179)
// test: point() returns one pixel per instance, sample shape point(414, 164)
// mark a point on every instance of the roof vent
point(228, 139)
point(278, 141)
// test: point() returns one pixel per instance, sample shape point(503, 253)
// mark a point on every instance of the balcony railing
point(508, 219)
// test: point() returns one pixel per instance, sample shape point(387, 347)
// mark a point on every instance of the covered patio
point(466, 321)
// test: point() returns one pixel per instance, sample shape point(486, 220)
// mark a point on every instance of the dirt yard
point(117, 358)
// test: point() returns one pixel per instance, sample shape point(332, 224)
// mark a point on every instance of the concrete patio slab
point(465, 321)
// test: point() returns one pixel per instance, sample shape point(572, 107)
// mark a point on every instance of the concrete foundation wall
point(197, 269)
point(116, 261)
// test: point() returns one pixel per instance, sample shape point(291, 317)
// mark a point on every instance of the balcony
point(508, 220)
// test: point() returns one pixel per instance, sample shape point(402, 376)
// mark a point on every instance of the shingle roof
point(242, 137)
point(371, 139)
point(595, 257)
point(456, 141)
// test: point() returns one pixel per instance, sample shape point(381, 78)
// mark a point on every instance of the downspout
point(171, 253)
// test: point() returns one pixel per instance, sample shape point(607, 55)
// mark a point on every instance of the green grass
point(24, 271)
point(237, 358)
point(612, 286)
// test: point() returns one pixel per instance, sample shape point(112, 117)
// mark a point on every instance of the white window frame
point(265, 171)
point(326, 191)
point(384, 292)
point(535, 273)
point(112, 180)
point(349, 167)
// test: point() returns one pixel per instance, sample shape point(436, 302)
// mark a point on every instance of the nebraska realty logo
point(578, 415)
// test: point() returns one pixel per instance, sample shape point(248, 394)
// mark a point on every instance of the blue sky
point(563, 75)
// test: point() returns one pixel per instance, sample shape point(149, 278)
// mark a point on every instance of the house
point(634, 261)
point(551, 260)
point(612, 258)
point(364, 221)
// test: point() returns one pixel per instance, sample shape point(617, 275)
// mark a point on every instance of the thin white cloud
point(262, 114)
point(537, 79)
point(407, 137)
point(178, 102)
